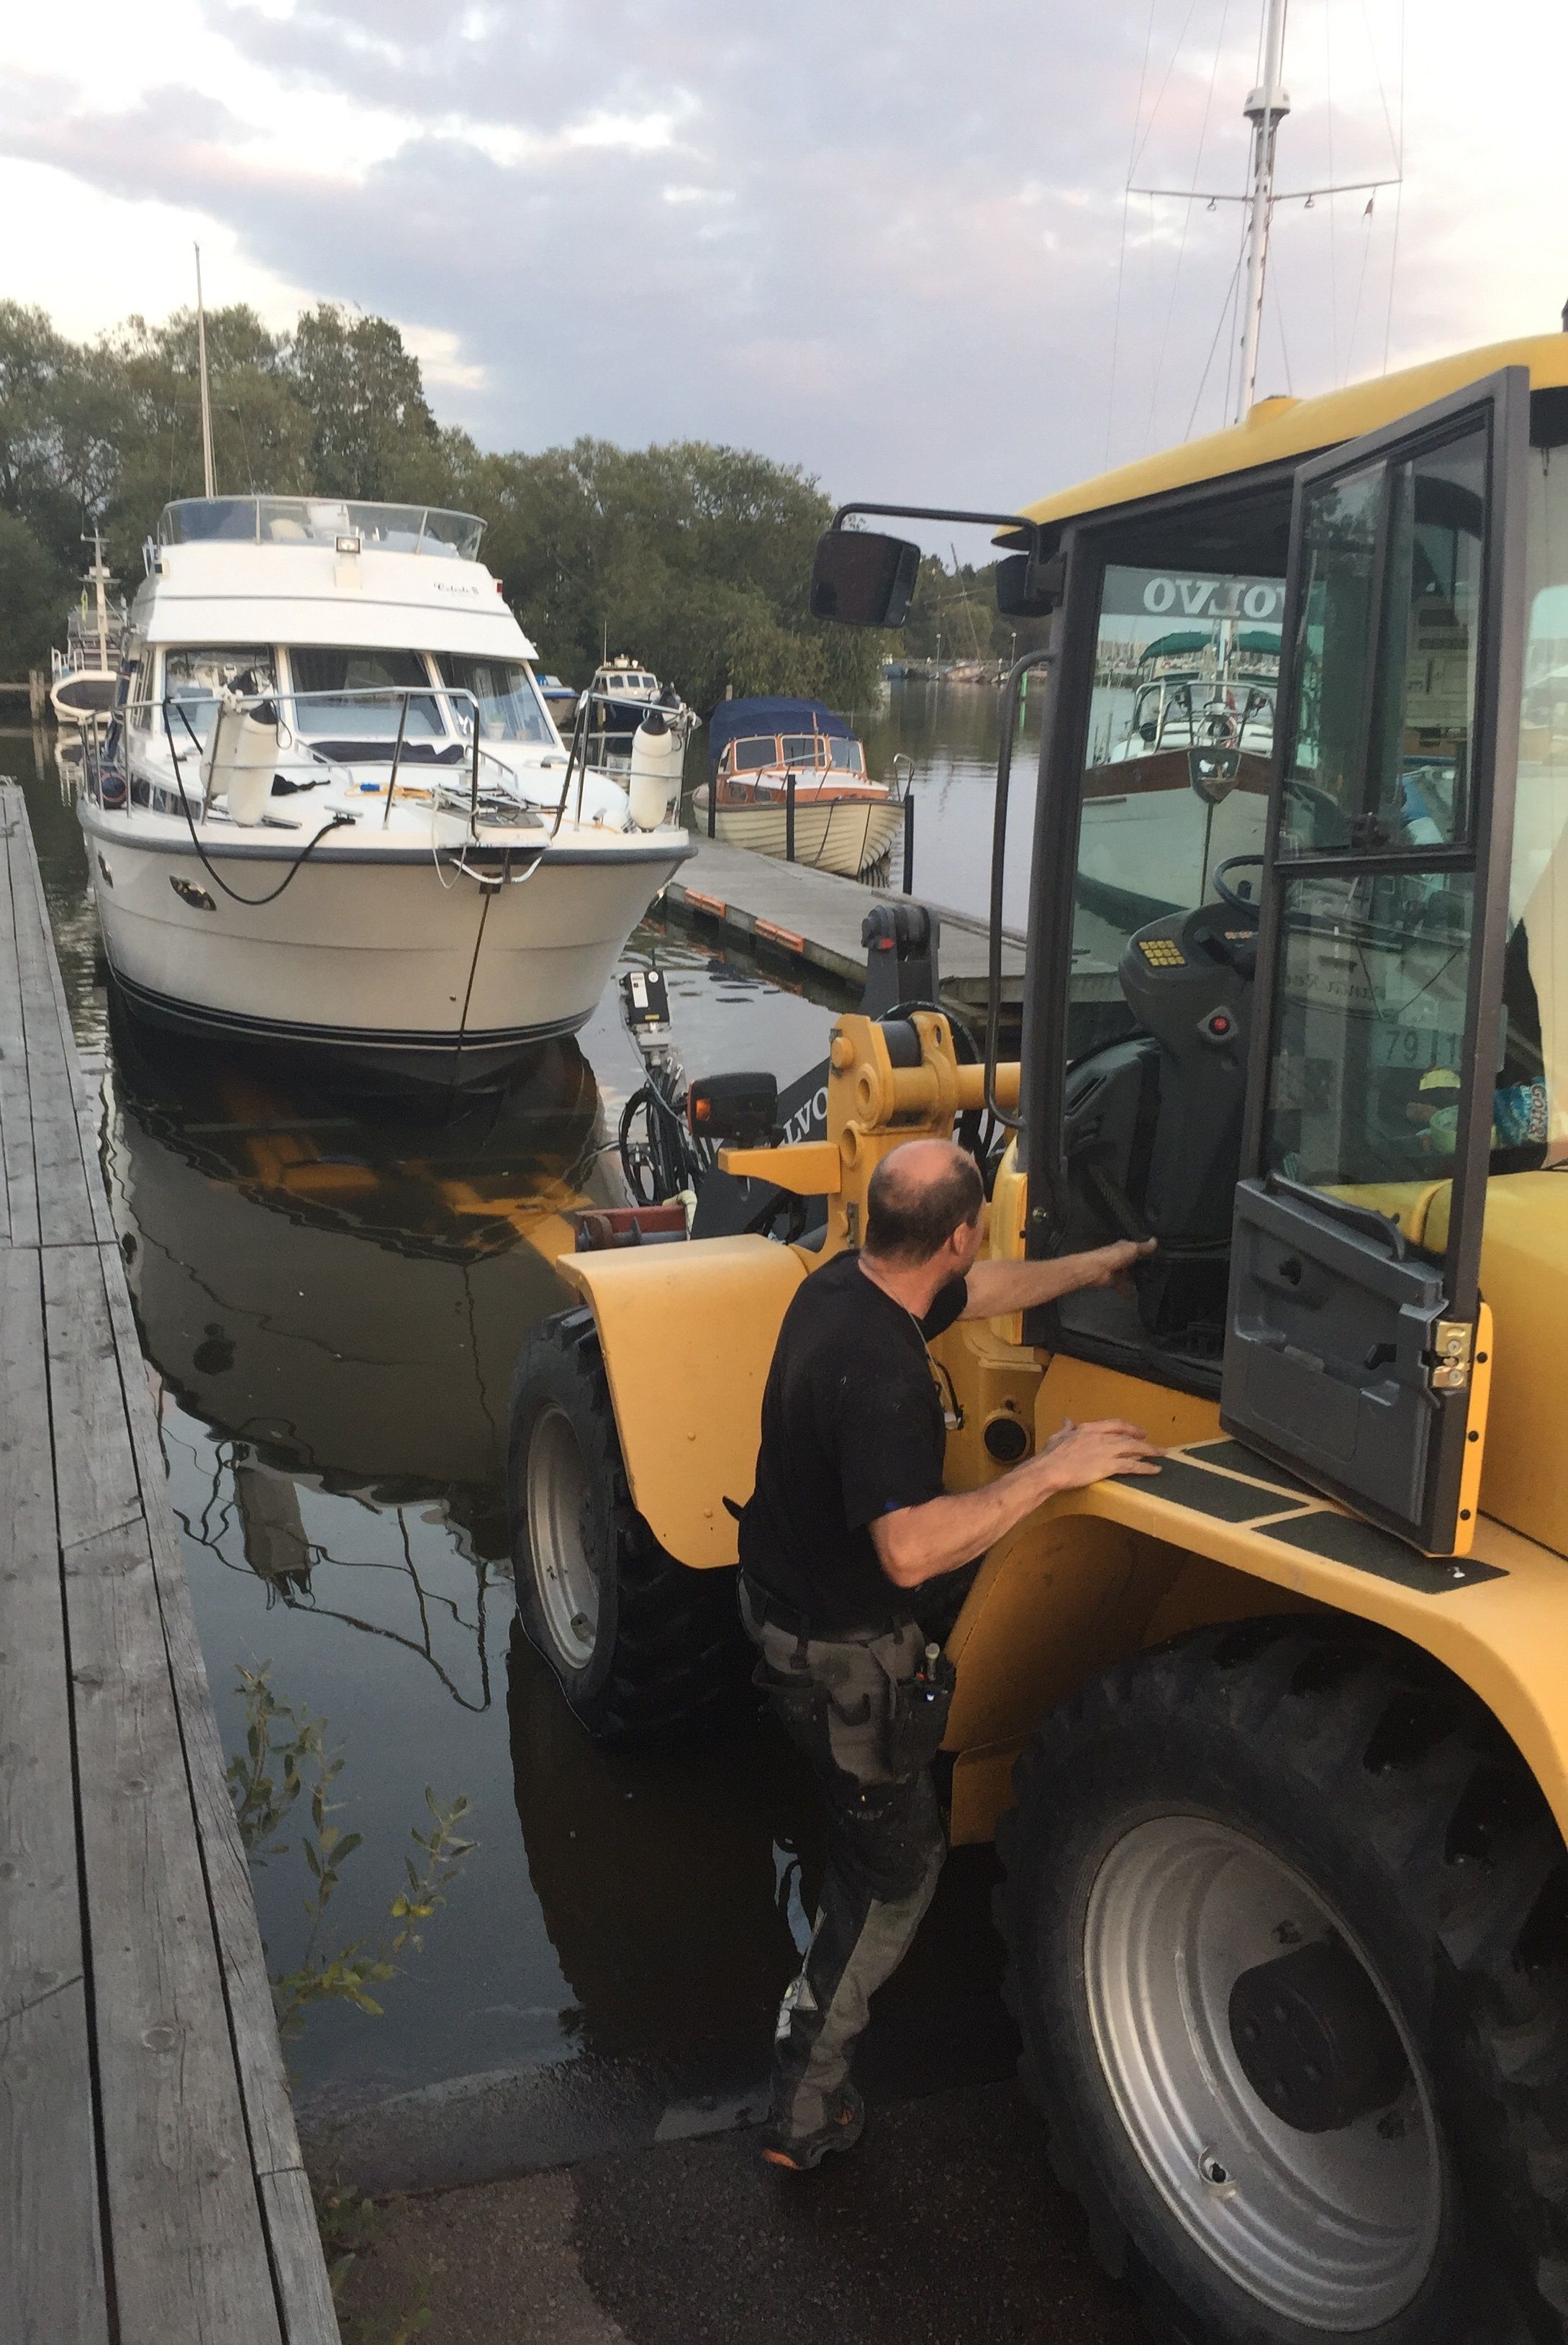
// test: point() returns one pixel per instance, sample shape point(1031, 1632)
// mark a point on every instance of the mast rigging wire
point(1126, 204)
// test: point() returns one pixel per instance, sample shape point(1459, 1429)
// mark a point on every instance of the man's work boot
point(798, 2153)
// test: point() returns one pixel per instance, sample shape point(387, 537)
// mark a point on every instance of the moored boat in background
point(787, 778)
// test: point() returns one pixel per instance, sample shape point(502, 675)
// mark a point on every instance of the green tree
point(374, 435)
point(36, 593)
point(694, 558)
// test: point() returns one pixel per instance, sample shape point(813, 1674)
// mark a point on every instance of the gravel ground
point(943, 2227)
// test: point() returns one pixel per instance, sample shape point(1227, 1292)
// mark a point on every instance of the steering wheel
point(1246, 906)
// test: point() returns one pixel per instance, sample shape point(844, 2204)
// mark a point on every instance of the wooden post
point(37, 694)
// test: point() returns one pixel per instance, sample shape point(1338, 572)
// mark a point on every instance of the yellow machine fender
point(688, 1333)
point(1104, 1572)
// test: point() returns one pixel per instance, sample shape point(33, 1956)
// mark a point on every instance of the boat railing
point(491, 786)
point(344, 525)
point(588, 749)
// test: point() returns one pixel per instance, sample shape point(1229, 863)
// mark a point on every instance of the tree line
point(691, 557)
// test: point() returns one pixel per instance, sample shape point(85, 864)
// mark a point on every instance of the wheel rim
point(559, 1505)
point(1334, 2229)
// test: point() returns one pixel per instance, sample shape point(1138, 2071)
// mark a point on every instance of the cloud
point(889, 242)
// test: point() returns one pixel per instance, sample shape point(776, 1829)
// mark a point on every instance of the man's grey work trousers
point(884, 1852)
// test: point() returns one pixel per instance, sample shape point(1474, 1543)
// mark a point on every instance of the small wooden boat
point(788, 779)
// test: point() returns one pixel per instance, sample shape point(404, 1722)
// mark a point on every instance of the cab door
point(1376, 1050)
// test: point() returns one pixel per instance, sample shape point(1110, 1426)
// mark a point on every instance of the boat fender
point(653, 776)
point(244, 750)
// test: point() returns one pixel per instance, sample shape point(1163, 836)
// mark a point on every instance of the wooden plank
point(302, 2285)
point(65, 1201)
point(40, 1894)
point(262, 2075)
point(48, 2171)
point(87, 1103)
point(186, 2241)
point(16, 1115)
point(95, 1482)
point(816, 916)
point(51, 2272)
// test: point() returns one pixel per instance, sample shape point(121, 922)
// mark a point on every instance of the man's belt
point(774, 1613)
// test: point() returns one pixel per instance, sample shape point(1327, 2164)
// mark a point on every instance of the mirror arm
point(998, 864)
point(1030, 529)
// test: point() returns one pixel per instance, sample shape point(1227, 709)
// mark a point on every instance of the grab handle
point(1010, 706)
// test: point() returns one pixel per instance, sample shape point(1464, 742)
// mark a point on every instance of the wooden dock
point(814, 917)
point(151, 2188)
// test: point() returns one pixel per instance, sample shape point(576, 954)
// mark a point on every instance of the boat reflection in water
point(337, 1291)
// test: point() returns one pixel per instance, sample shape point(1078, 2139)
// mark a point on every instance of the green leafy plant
point(287, 1759)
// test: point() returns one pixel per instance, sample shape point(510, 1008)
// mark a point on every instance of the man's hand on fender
point(1081, 1454)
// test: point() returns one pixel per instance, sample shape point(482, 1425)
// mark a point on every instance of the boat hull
point(843, 834)
point(377, 958)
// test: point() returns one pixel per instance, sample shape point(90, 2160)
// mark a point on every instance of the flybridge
point(346, 525)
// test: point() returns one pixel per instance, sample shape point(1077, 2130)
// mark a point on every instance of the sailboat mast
point(1265, 109)
point(207, 466)
point(100, 579)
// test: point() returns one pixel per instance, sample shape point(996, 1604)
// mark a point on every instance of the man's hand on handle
point(996, 1288)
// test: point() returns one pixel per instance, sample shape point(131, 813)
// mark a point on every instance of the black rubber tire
point(668, 1652)
point(1376, 1775)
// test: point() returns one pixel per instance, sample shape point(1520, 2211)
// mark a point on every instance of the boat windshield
point(321, 521)
point(846, 756)
point(801, 748)
point(193, 677)
point(509, 705)
point(359, 694)
point(752, 757)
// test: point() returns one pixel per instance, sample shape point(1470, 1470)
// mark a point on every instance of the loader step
point(1231, 1485)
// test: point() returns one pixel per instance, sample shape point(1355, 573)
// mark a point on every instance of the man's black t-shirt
point(852, 1429)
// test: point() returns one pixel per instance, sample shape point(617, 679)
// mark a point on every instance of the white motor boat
point(333, 809)
point(1201, 729)
point(83, 678)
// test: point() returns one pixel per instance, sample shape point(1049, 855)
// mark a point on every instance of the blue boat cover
point(738, 720)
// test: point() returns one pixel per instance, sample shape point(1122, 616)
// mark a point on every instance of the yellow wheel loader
point(1273, 1744)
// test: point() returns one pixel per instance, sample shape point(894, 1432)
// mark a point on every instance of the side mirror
point(740, 1110)
point(1028, 588)
point(861, 580)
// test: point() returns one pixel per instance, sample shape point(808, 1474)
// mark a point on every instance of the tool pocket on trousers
point(918, 1709)
point(799, 1704)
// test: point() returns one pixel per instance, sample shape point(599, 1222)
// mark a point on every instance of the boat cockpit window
point(351, 694)
point(321, 521)
point(509, 705)
point(193, 677)
point(755, 757)
point(846, 756)
point(801, 748)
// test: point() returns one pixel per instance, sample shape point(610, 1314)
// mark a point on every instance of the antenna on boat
point(207, 465)
point(99, 578)
point(1265, 109)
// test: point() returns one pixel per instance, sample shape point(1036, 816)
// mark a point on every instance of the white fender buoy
point(653, 776)
point(240, 762)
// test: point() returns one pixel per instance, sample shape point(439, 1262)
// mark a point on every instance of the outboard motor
point(244, 750)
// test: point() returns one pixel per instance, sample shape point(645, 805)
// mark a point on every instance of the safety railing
point(310, 764)
point(580, 758)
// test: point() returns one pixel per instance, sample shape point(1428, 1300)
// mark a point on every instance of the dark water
point(331, 1293)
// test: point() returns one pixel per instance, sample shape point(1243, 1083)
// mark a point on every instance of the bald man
point(847, 1522)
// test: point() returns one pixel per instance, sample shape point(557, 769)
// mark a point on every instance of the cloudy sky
point(888, 242)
